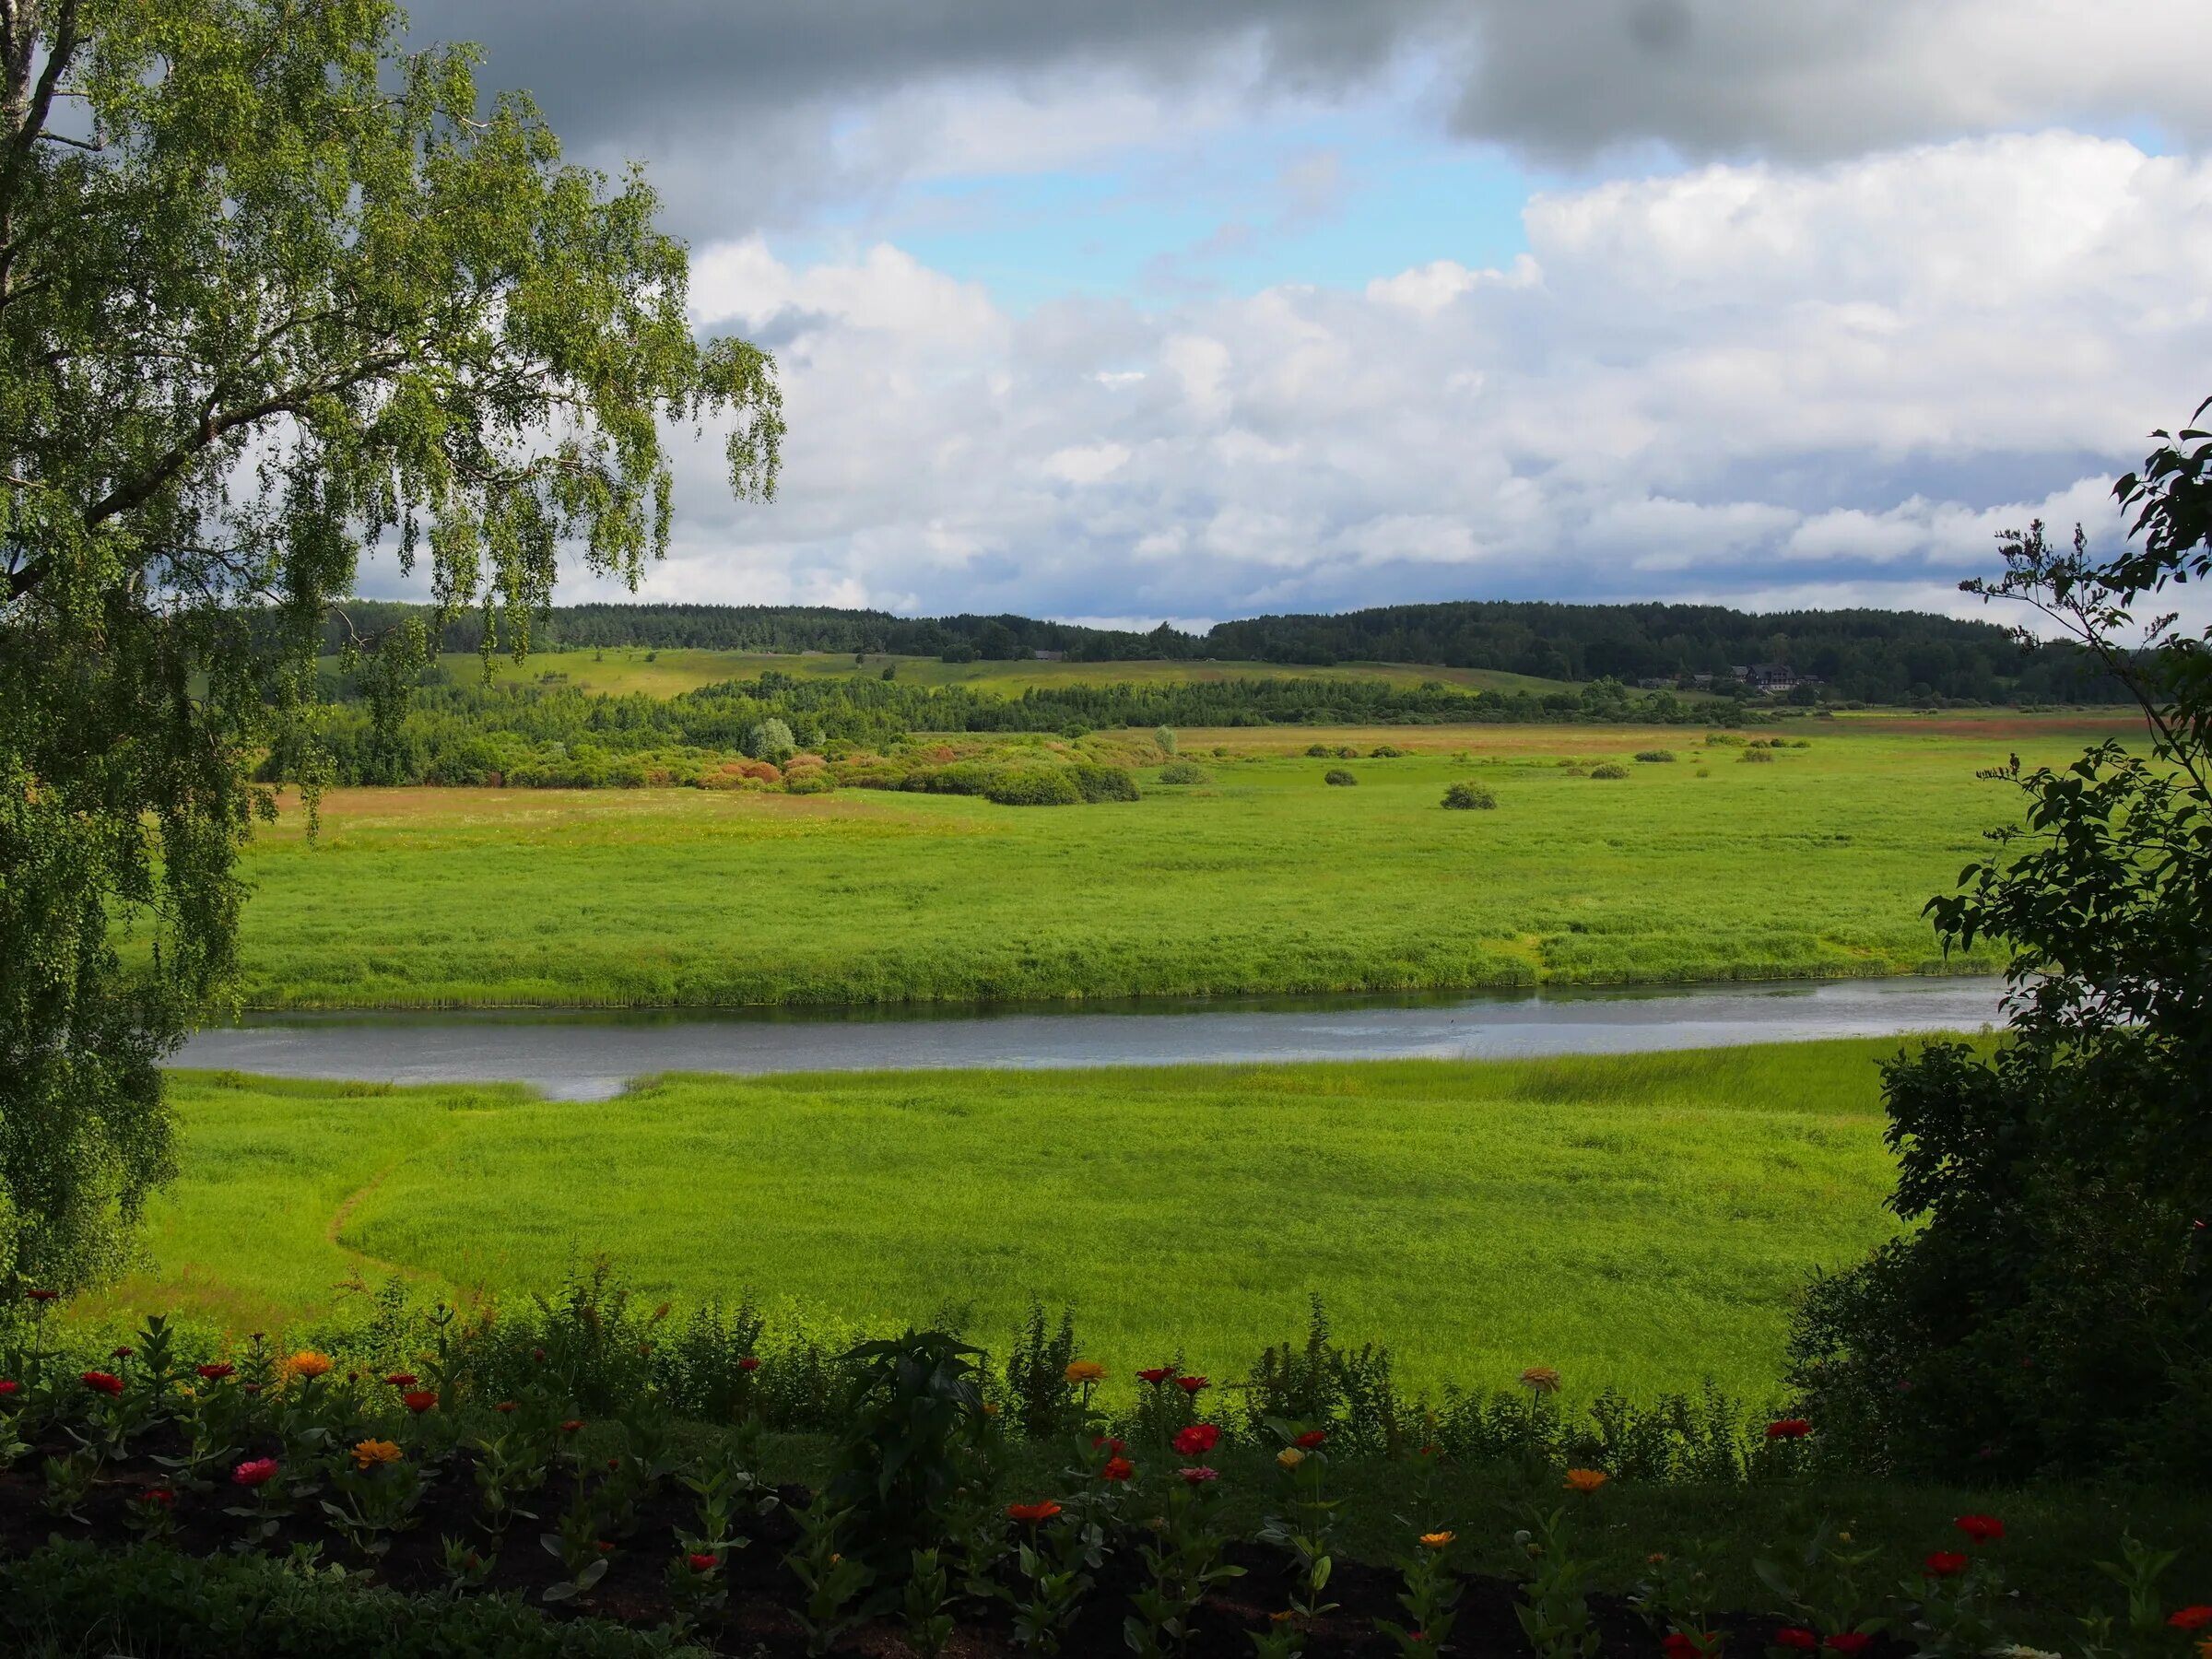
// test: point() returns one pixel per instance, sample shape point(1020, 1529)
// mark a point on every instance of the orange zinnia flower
point(1030, 1515)
point(1585, 1480)
point(307, 1364)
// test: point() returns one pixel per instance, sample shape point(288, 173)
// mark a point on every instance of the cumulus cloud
point(1761, 381)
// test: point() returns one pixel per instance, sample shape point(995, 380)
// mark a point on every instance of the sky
point(1153, 311)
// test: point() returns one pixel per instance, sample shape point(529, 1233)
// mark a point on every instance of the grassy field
point(667, 673)
point(1640, 1220)
point(1263, 879)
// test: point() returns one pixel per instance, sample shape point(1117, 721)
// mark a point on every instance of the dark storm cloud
point(744, 108)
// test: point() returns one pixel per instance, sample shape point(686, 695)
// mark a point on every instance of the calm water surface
point(592, 1055)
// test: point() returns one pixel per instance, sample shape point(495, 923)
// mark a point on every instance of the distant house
point(1049, 656)
point(1773, 676)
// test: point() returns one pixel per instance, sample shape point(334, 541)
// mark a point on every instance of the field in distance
point(667, 673)
point(1262, 878)
point(1640, 1220)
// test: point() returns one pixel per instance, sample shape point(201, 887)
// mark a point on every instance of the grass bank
point(1638, 1220)
point(1261, 878)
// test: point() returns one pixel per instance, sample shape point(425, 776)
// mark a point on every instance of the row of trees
point(1864, 655)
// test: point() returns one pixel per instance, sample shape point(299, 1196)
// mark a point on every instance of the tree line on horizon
point(1858, 656)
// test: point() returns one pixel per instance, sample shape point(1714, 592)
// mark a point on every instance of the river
point(594, 1054)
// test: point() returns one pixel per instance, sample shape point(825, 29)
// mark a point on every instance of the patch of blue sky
point(1329, 201)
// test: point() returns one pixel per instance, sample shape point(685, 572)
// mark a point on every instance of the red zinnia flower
point(504, 1405)
point(603, 1548)
point(1112, 1446)
point(1117, 1468)
point(571, 1425)
point(1191, 1385)
point(1946, 1563)
point(41, 1295)
point(401, 1379)
point(1197, 1440)
point(160, 1494)
point(121, 1354)
point(703, 1563)
point(1789, 1428)
point(2191, 1618)
point(748, 1364)
point(1030, 1515)
point(1156, 1375)
point(1982, 1529)
point(259, 1472)
point(538, 1355)
point(1311, 1438)
point(7, 1387)
point(1199, 1474)
point(418, 1400)
point(216, 1372)
point(1850, 1642)
point(1678, 1646)
point(101, 1382)
point(1793, 1637)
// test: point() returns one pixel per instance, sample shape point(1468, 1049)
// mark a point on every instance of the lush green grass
point(1639, 1219)
point(666, 673)
point(1263, 879)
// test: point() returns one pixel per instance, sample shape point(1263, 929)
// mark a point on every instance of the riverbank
point(1480, 1216)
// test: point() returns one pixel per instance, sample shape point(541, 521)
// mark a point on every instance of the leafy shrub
point(1723, 740)
point(1348, 1395)
point(1385, 751)
point(1609, 769)
point(1033, 786)
point(1469, 797)
point(771, 739)
point(1045, 1400)
point(71, 1597)
point(1318, 751)
point(1344, 751)
point(1338, 777)
point(812, 781)
point(1757, 756)
point(1164, 739)
point(1184, 772)
point(1096, 783)
point(1653, 756)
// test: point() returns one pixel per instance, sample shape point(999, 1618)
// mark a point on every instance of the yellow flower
point(376, 1452)
point(1290, 1458)
point(1085, 1370)
point(1540, 1379)
point(1437, 1540)
point(307, 1364)
point(1585, 1480)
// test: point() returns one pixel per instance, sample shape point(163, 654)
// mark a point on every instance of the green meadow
point(1638, 1220)
point(1261, 878)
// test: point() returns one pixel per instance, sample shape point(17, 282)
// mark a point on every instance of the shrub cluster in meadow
point(555, 734)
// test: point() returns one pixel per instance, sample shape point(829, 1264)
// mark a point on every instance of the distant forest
point(1860, 655)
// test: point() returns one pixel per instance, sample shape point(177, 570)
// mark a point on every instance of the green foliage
point(1184, 771)
point(1339, 778)
point(2050, 1309)
point(1608, 768)
point(305, 260)
point(1654, 756)
point(1463, 796)
point(150, 1600)
point(770, 739)
point(914, 1409)
point(1035, 786)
